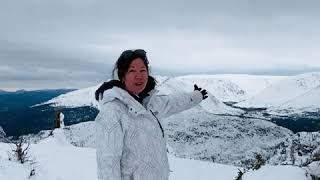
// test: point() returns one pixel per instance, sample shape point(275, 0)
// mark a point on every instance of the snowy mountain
point(57, 159)
point(197, 134)
point(308, 101)
point(212, 131)
point(231, 87)
point(85, 97)
point(3, 91)
point(225, 88)
point(288, 92)
point(77, 98)
point(211, 104)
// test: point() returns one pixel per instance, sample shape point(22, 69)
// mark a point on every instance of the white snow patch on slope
point(284, 91)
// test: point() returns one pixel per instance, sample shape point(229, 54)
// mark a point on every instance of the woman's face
point(136, 78)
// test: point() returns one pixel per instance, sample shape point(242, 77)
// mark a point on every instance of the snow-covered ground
point(57, 159)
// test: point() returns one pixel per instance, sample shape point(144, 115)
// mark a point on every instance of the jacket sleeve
point(109, 143)
point(167, 105)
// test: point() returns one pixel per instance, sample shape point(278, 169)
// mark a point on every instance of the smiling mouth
point(138, 84)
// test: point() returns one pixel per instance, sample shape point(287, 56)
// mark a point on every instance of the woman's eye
point(131, 70)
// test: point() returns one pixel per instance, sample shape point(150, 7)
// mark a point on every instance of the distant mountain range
point(262, 96)
point(17, 117)
point(289, 101)
point(219, 129)
point(298, 93)
point(3, 92)
point(245, 91)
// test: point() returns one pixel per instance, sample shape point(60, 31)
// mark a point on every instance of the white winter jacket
point(130, 139)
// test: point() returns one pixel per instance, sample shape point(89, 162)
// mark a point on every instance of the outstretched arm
point(167, 105)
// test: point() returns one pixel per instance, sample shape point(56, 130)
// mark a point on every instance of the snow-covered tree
point(20, 151)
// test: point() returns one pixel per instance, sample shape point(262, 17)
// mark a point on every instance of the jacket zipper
point(158, 123)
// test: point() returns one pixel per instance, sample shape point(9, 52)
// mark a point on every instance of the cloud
point(42, 41)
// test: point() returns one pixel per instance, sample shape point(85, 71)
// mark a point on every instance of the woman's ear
point(122, 80)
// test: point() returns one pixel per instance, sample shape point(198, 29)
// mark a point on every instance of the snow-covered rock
point(61, 120)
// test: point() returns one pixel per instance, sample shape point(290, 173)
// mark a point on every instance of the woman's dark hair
point(123, 63)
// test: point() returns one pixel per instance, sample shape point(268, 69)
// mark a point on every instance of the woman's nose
point(139, 75)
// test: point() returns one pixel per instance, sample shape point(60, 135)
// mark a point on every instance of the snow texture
point(291, 92)
point(58, 160)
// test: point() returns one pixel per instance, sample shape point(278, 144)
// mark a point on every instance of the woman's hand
point(203, 91)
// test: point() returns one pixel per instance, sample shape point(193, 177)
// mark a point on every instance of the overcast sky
point(74, 43)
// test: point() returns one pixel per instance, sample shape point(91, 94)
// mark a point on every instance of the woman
point(130, 136)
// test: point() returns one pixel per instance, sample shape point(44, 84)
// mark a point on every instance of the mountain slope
point(284, 91)
point(85, 97)
point(309, 101)
point(211, 104)
point(198, 134)
point(78, 98)
point(232, 87)
point(211, 131)
point(58, 160)
point(223, 88)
